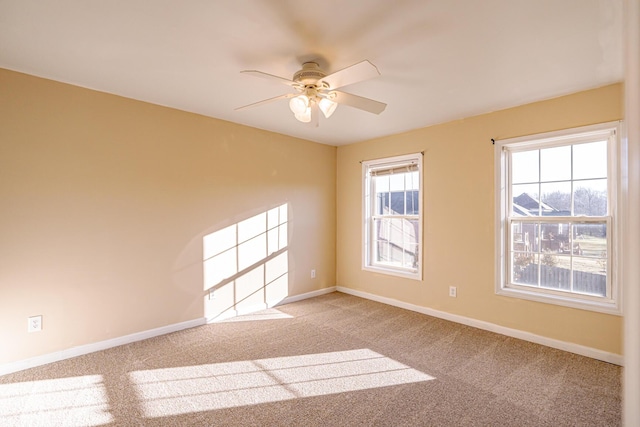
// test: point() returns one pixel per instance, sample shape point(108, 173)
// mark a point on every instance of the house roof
point(519, 210)
point(531, 203)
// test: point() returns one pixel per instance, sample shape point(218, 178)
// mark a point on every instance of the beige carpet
point(334, 360)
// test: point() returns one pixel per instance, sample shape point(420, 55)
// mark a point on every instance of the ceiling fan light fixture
point(315, 90)
point(305, 116)
point(299, 104)
point(327, 107)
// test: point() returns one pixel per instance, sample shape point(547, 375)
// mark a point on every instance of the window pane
point(591, 239)
point(525, 200)
point(411, 257)
point(555, 238)
point(555, 271)
point(387, 237)
point(555, 164)
point(412, 202)
point(590, 197)
point(396, 182)
point(382, 203)
point(381, 183)
point(412, 181)
point(524, 236)
point(590, 160)
point(524, 167)
point(397, 203)
point(556, 199)
point(411, 233)
point(590, 276)
point(381, 191)
point(382, 229)
point(412, 227)
point(397, 241)
point(383, 252)
point(524, 268)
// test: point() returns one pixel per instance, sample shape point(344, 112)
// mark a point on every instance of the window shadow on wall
point(246, 265)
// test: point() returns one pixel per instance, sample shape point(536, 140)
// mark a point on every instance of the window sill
point(607, 307)
point(394, 272)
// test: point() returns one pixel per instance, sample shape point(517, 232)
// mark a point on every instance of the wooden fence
point(559, 278)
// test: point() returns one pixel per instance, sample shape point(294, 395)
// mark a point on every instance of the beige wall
point(105, 202)
point(459, 218)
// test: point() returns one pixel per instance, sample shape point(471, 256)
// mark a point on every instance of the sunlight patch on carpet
point(73, 401)
point(269, 314)
point(180, 390)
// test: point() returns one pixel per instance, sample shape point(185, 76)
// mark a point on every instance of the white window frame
point(368, 208)
point(613, 132)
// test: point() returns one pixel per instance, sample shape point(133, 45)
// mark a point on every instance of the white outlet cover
point(34, 324)
point(452, 291)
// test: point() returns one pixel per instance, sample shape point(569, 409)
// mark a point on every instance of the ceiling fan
point(315, 90)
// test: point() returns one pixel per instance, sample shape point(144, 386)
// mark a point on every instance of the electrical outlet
point(313, 274)
point(34, 324)
point(453, 292)
point(211, 294)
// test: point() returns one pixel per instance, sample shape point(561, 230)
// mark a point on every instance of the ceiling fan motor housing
point(310, 74)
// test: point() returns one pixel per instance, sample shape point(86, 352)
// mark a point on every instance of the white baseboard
point(514, 333)
point(57, 356)
point(307, 295)
point(20, 365)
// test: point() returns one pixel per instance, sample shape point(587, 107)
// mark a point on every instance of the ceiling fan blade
point(356, 73)
point(271, 77)
point(359, 102)
point(266, 101)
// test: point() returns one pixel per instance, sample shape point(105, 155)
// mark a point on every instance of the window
point(392, 195)
point(557, 225)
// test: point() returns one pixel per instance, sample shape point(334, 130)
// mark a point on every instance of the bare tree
point(558, 200)
point(588, 201)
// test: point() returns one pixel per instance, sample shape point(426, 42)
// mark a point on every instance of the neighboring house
point(394, 234)
point(555, 237)
point(529, 206)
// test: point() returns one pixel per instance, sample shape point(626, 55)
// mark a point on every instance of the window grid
point(392, 215)
point(587, 222)
point(544, 260)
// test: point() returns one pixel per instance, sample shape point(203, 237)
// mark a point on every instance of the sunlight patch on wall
point(180, 390)
point(246, 265)
point(74, 401)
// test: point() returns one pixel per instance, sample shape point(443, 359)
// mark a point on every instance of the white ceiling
point(440, 60)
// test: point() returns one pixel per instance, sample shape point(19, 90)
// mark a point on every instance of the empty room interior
point(265, 212)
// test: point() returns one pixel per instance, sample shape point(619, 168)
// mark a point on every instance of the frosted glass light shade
point(327, 107)
point(304, 117)
point(299, 104)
